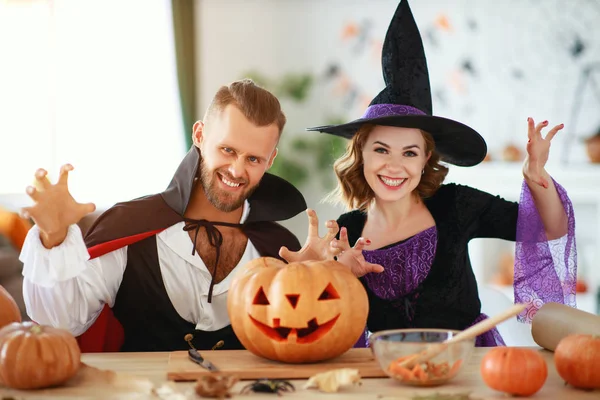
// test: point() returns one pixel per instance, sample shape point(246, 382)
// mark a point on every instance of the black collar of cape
point(275, 199)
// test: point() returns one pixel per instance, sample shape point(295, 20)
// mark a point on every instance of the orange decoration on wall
point(443, 22)
point(350, 30)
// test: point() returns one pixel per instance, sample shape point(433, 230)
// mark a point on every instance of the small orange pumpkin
point(34, 356)
point(9, 310)
point(577, 360)
point(299, 312)
point(516, 371)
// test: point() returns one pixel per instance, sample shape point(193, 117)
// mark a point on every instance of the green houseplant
point(302, 156)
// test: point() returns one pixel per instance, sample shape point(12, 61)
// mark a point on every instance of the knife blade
point(196, 357)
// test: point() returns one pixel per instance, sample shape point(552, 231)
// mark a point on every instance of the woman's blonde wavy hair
point(352, 189)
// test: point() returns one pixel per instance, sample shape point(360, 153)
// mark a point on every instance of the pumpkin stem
point(188, 338)
point(218, 345)
point(36, 329)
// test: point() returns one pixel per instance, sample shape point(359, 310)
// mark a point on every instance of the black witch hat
point(406, 99)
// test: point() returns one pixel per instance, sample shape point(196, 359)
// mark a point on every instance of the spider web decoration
point(526, 58)
point(491, 65)
point(589, 81)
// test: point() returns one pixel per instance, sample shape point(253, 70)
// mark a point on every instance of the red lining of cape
point(106, 333)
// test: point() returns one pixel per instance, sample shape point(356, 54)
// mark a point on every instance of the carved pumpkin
point(514, 370)
point(34, 356)
point(9, 310)
point(298, 312)
point(577, 360)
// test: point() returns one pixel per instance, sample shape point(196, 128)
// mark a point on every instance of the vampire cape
point(143, 317)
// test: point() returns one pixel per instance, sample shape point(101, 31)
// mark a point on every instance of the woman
point(411, 232)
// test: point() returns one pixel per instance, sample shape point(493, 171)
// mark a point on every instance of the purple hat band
point(389, 110)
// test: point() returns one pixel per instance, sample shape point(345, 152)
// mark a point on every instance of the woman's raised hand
point(538, 151)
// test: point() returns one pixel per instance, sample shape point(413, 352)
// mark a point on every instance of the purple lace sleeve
point(545, 271)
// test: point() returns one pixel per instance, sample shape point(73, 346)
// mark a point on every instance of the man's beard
point(220, 199)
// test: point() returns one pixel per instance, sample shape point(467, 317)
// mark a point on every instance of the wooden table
point(152, 368)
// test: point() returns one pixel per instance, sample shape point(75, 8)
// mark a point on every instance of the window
point(92, 83)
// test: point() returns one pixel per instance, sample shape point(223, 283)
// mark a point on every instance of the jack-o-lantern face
point(299, 312)
point(309, 332)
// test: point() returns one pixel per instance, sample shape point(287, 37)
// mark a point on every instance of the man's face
point(235, 155)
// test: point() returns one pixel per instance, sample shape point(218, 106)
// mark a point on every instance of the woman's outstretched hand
point(315, 247)
point(352, 257)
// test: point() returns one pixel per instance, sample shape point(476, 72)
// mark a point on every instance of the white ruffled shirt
point(64, 288)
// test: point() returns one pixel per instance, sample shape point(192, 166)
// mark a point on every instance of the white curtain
point(92, 83)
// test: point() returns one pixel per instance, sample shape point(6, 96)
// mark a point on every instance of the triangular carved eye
point(293, 299)
point(261, 298)
point(329, 293)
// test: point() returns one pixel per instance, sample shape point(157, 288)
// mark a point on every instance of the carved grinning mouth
point(311, 333)
point(314, 331)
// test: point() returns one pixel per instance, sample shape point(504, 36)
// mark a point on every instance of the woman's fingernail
point(368, 241)
point(545, 122)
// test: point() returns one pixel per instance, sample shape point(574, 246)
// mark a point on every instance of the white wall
point(276, 37)
point(280, 36)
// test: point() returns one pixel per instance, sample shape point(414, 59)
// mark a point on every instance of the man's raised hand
point(54, 209)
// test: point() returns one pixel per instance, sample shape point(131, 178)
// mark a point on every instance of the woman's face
point(393, 161)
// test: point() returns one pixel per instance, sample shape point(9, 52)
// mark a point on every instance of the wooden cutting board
point(248, 366)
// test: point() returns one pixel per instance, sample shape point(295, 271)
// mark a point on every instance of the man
point(154, 269)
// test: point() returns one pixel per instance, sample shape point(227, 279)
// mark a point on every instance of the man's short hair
point(258, 105)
